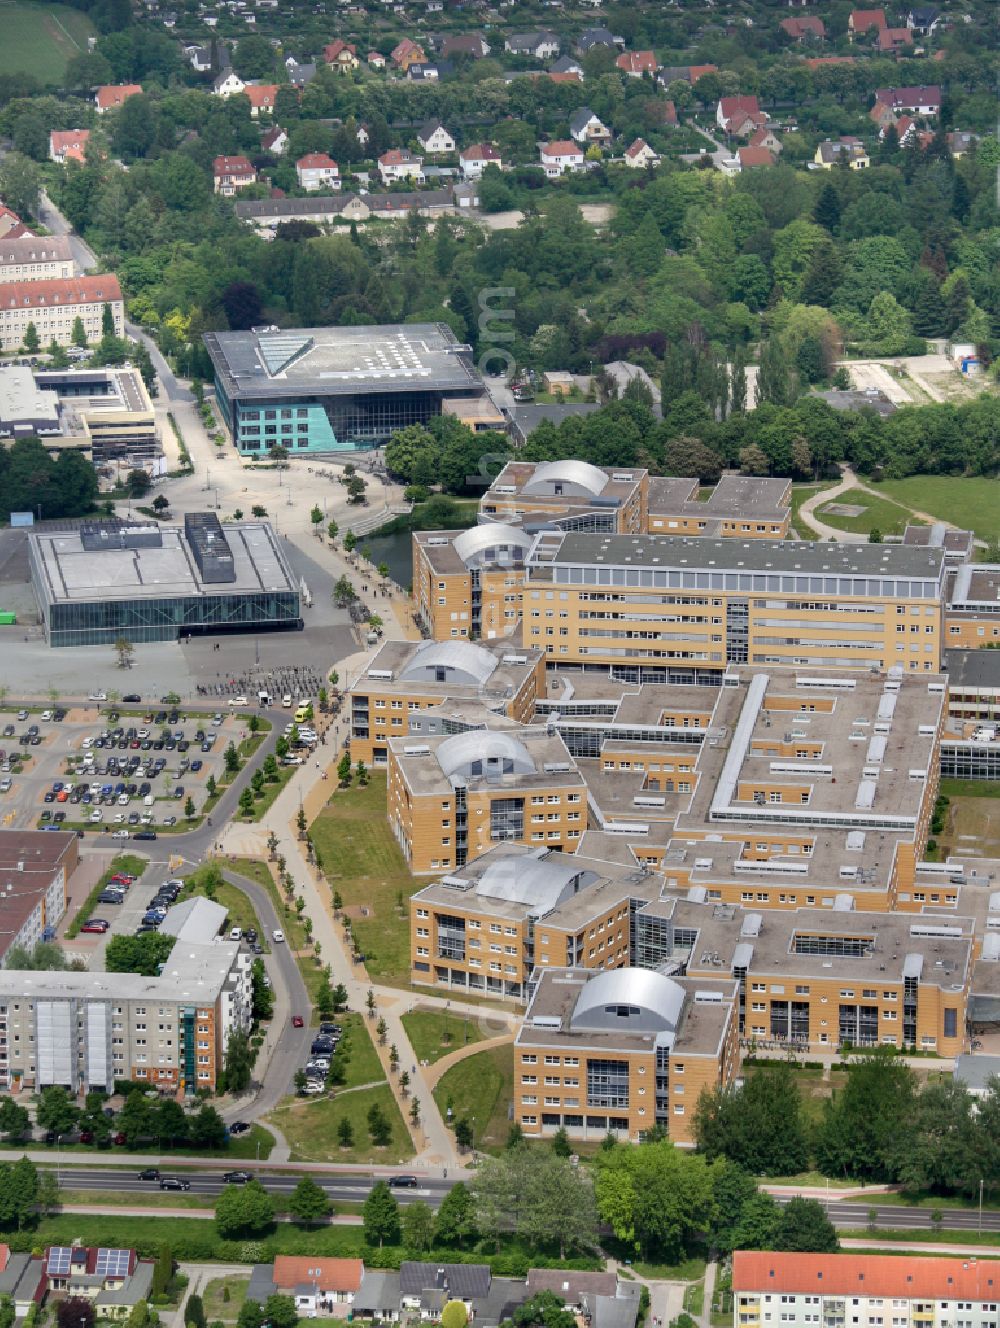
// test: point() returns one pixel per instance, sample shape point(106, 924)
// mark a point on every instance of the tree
point(540, 1199)
point(143, 954)
point(350, 541)
point(20, 184)
point(454, 1315)
point(14, 1119)
point(78, 336)
point(239, 1063)
point(124, 650)
point(31, 340)
point(56, 1111)
point(345, 1132)
point(418, 1227)
point(316, 517)
point(344, 769)
point(18, 1194)
point(826, 213)
point(280, 1312)
point(246, 802)
point(865, 1125)
point(804, 1226)
point(194, 1311)
point(760, 1126)
point(463, 1133)
point(455, 1222)
point(243, 1210)
point(48, 1195)
point(189, 808)
point(76, 1312)
point(242, 303)
point(380, 1216)
point(379, 1126)
point(560, 1143)
point(308, 1203)
point(654, 1197)
point(332, 531)
point(163, 1271)
point(544, 1310)
point(160, 503)
point(211, 786)
point(772, 387)
point(231, 759)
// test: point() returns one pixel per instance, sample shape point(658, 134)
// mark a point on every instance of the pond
point(393, 550)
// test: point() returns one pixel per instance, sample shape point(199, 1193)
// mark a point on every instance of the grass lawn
point(970, 788)
point(241, 911)
point(920, 1200)
point(801, 492)
point(969, 503)
point(879, 514)
point(972, 820)
point(481, 1088)
point(263, 803)
point(688, 1270)
point(216, 1305)
point(694, 1299)
point(42, 39)
point(363, 862)
point(125, 862)
point(310, 1126)
point(364, 1066)
point(435, 1033)
point(133, 1199)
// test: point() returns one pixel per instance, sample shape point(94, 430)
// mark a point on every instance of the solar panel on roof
point(113, 1263)
point(60, 1257)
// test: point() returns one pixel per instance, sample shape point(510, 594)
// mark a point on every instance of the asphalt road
point(348, 1187)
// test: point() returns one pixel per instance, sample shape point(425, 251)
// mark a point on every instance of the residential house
point(923, 19)
point(803, 29)
point(405, 53)
point(433, 137)
point(894, 39)
point(231, 174)
point(637, 63)
point(640, 155)
point(883, 116)
point(668, 112)
point(960, 142)
point(423, 71)
point(739, 116)
point(750, 157)
point(559, 157)
point(563, 78)
point(317, 171)
point(376, 59)
point(862, 21)
point(342, 55)
point(262, 97)
point(566, 65)
point(851, 150)
point(684, 74)
point(469, 44)
point(110, 96)
point(11, 225)
point(114, 1280)
point(766, 138)
point(199, 58)
point(228, 84)
point(542, 44)
point(925, 100)
point(21, 1279)
point(474, 159)
point(591, 37)
point(906, 130)
point(317, 1285)
point(466, 195)
point(400, 164)
point(275, 140)
point(586, 128)
point(300, 73)
point(68, 145)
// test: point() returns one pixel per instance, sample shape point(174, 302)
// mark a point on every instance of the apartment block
point(35, 867)
point(469, 586)
point(571, 495)
point(818, 981)
point(85, 1030)
point(622, 1051)
point(484, 927)
point(800, 1290)
point(28, 258)
point(675, 609)
point(452, 798)
point(972, 607)
point(54, 304)
point(740, 506)
point(405, 677)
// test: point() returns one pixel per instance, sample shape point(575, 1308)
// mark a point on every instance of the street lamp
point(980, 1205)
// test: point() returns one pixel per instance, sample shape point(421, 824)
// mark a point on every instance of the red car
point(94, 926)
point(297, 1021)
point(120, 1139)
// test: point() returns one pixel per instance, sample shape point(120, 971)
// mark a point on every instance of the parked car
point(239, 1127)
point(297, 1021)
point(97, 925)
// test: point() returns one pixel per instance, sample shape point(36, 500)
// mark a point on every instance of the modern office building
point(26, 409)
point(104, 413)
point(406, 678)
point(54, 304)
point(159, 583)
point(452, 798)
point(909, 1291)
point(486, 926)
point(469, 586)
point(335, 389)
point(816, 980)
point(740, 506)
point(569, 495)
point(959, 545)
point(623, 1051)
point(85, 1030)
point(674, 609)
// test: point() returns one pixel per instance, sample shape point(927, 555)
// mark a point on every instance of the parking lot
point(129, 776)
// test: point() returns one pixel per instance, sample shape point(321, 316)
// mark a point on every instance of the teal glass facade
point(101, 622)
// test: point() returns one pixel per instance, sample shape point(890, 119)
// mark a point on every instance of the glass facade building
point(101, 622)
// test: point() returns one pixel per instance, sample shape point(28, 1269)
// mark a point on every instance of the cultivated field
point(40, 39)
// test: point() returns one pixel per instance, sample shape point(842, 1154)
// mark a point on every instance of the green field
point(362, 861)
point(973, 504)
point(310, 1126)
point(436, 1033)
point(879, 514)
point(481, 1088)
point(41, 39)
point(800, 494)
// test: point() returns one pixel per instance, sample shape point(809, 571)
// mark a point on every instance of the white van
point(148, 800)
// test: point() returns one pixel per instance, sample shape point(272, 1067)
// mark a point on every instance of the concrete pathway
point(848, 480)
point(705, 1318)
point(436, 1069)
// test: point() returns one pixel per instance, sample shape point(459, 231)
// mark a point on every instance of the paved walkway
point(848, 482)
point(439, 1067)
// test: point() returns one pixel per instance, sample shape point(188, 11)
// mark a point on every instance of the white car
point(46, 715)
point(236, 934)
point(97, 696)
point(96, 815)
point(237, 700)
point(87, 742)
point(277, 936)
point(286, 700)
point(119, 834)
point(123, 799)
point(292, 760)
point(119, 818)
point(313, 1088)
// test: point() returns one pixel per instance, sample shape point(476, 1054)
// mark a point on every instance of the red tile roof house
point(317, 171)
point(275, 140)
point(801, 29)
point(110, 96)
point(232, 174)
point(750, 157)
point(912, 101)
point(894, 39)
point(861, 21)
point(68, 145)
point(637, 63)
point(560, 156)
point(639, 155)
point(342, 54)
point(765, 138)
point(262, 97)
point(476, 158)
point(317, 1284)
point(400, 164)
point(405, 51)
point(739, 115)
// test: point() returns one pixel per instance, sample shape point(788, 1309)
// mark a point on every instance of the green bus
point(7, 619)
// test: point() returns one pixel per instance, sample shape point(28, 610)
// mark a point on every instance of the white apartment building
point(29, 258)
point(53, 306)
